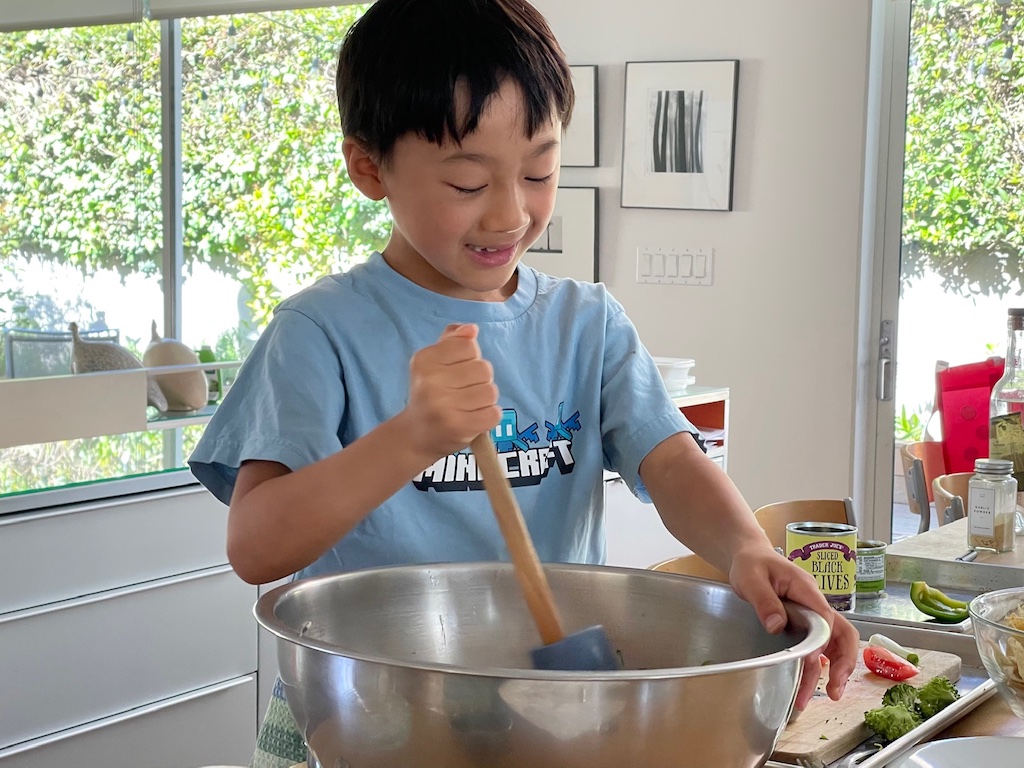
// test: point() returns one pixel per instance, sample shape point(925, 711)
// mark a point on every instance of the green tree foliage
point(963, 202)
point(80, 122)
point(51, 465)
point(265, 190)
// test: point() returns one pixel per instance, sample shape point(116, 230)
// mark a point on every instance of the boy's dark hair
point(400, 63)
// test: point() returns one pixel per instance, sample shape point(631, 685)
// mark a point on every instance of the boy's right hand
point(452, 395)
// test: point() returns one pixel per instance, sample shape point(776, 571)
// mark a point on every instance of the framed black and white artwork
point(568, 247)
point(679, 136)
point(579, 142)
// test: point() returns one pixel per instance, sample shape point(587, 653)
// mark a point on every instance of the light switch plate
point(675, 266)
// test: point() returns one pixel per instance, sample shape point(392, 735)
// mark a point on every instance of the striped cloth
point(279, 743)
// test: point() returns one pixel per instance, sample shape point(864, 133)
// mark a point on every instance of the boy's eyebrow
point(476, 157)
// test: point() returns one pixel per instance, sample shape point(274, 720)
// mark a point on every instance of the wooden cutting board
point(842, 722)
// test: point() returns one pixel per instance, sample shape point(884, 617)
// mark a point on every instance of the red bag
point(962, 394)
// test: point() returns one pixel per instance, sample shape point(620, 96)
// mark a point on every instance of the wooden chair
point(773, 518)
point(930, 453)
point(950, 496)
point(922, 463)
point(691, 565)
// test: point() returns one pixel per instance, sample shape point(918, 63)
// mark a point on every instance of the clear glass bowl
point(1001, 646)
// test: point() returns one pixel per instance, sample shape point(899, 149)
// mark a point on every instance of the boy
point(336, 452)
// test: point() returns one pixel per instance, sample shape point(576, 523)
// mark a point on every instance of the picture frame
point(568, 247)
point(679, 134)
point(580, 140)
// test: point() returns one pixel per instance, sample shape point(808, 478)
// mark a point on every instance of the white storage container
point(675, 371)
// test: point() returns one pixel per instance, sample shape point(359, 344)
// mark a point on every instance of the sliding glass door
point(951, 165)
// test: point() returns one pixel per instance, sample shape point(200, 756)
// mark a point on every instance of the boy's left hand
point(762, 577)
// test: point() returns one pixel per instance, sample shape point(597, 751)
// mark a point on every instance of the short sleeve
point(286, 405)
point(636, 410)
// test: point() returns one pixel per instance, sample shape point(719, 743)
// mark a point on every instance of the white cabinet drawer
point(68, 663)
point(211, 726)
point(68, 552)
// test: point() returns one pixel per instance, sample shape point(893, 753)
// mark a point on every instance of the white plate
point(967, 752)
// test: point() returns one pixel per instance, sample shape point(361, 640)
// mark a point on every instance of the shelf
point(176, 419)
point(695, 395)
point(56, 408)
point(704, 407)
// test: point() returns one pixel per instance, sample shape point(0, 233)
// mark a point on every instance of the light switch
point(686, 265)
point(644, 264)
point(672, 265)
point(659, 265)
point(700, 265)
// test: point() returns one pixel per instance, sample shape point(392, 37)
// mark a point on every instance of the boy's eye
point(466, 190)
point(542, 180)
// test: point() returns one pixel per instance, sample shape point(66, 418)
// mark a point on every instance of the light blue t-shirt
point(578, 390)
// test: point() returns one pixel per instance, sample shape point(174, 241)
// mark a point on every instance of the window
point(87, 197)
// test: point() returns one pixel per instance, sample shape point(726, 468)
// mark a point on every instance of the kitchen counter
point(993, 718)
point(948, 542)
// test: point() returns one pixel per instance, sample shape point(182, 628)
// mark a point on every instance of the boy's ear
point(362, 168)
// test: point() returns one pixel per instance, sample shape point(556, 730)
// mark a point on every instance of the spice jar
point(991, 505)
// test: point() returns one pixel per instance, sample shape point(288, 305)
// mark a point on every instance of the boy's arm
point(281, 521)
point(698, 502)
point(702, 508)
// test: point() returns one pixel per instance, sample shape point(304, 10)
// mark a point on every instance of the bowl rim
point(818, 631)
point(995, 593)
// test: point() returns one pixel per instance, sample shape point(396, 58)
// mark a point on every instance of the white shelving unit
point(708, 407)
point(54, 408)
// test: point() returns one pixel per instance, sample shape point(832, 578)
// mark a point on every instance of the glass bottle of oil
point(1006, 432)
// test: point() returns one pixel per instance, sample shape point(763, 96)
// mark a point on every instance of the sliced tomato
point(888, 664)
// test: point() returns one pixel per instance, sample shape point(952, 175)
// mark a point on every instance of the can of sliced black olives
point(827, 551)
point(870, 568)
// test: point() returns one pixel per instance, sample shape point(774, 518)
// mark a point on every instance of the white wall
point(778, 325)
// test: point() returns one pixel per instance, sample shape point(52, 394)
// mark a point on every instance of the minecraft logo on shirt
point(523, 464)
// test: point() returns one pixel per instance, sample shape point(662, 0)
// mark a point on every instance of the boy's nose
point(506, 214)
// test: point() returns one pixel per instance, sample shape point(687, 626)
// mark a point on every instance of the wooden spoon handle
point(532, 579)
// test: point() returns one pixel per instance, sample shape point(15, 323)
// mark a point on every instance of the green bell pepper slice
point(935, 603)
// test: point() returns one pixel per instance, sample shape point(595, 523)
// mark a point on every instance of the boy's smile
point(465, 214)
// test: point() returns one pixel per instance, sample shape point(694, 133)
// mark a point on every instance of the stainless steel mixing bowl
point(428, 667)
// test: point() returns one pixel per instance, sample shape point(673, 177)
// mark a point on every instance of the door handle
point(884, 378)
point(885, 364)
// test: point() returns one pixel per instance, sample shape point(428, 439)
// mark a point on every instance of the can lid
point(993, 466)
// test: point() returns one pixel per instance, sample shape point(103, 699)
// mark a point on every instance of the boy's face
point(464, 215)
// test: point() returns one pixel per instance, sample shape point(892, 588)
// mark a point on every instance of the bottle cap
point(993, 466)
point(1015, 312)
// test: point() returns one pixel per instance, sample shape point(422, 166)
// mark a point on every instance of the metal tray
point(960, 579)
point(975, 688)
point(895, 616)
point(894, 607)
